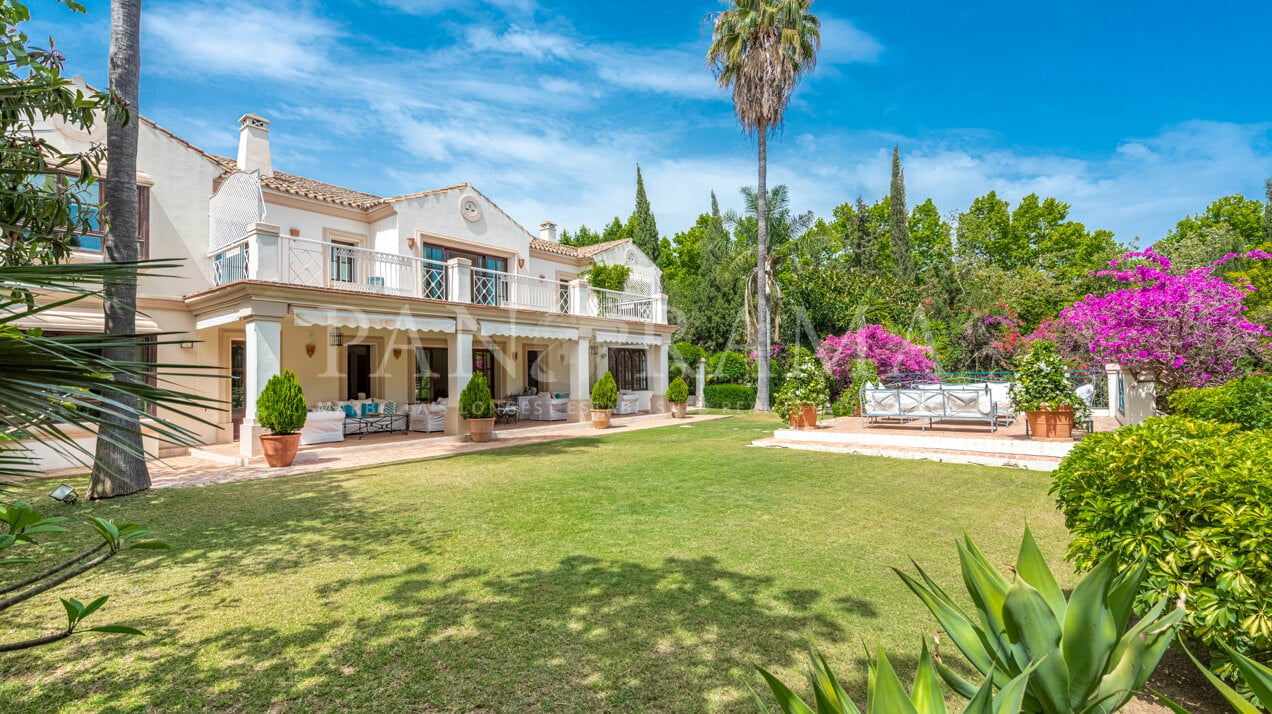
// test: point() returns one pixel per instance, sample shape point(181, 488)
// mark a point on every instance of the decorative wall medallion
point(470, 209)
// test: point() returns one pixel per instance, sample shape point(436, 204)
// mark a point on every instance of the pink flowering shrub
point(1186, 329)
point(889, 353)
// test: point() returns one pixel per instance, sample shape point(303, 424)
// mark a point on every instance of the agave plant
point(1083, 657)
point(885, 692)
point(1257, 678)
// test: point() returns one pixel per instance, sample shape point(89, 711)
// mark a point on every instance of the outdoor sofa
point(971, 402)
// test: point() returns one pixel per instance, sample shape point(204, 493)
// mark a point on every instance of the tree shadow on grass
point(585, 635)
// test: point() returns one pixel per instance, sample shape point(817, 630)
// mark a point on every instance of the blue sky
point(1135, 117)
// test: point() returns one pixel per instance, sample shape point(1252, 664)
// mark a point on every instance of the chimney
point(547, 231)
point(253, 151)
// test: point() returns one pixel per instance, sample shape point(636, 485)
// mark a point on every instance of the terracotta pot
point(678, 411)
point(1051, 424)
point(280, 450)
point(481, 429)
point(809, 412)
point(601, 418)
point(797, 417)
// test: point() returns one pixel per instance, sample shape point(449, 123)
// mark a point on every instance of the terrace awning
point(618, 338)
point(78, 318)
point(306, 317)
point(518, 329)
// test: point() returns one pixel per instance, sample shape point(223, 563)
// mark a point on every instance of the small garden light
point(65, 493)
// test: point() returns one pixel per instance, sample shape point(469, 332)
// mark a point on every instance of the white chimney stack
point(547, 231)
point(253, 153)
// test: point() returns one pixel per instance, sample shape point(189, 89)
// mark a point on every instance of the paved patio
point(952, 441)
point(194, 471)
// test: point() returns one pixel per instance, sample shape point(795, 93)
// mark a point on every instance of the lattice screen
point(234, 208)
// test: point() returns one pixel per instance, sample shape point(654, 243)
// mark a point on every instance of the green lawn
point(635, 572)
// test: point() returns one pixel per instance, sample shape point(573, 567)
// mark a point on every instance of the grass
point(645, 571)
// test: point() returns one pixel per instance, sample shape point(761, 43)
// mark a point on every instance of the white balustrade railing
point(230, 264)
point(622, 306)
point(519, 292)
point(322, 264)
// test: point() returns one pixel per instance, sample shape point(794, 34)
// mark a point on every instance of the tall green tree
point(899, 227)
point(642, 227)
point(716, 293)
point(862, 239)
point(931, 239)
point(760, 50)
point(1267, 212)
point(120, 467)
point(584, 236)
point(615, 231)
point(1242, 216)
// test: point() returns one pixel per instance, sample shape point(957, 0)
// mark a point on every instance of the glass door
point(358, 371)
point(238, 385)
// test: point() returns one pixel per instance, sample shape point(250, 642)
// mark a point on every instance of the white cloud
point(843, 42)
point(531, 43)
point(238, 39)
point(434, 7)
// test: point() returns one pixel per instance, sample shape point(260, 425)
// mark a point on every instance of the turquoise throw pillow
point(390, 409)
point(370, 409)
point(350, 411)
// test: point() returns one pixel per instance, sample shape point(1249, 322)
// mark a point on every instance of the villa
point(399, 298)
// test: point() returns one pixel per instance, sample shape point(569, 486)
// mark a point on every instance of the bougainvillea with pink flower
point(1185, 330)
point(890, 354)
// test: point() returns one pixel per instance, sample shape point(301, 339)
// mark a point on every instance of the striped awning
point(521, 329)
point(78, 318)
point(619, 338)
point(312, 317)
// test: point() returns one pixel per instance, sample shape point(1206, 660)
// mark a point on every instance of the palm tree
point(120, 467)
point(760, 50)
point(789, 239)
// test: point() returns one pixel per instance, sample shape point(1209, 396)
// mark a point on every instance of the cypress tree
point(642, 226)
point(863, 238)
point(899, 226)
point(1267, 213)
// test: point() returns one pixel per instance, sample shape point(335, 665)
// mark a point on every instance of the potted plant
point(281, 408)
point(678, 397)
point(804, 392)
point(477, 406)
point(604, 399)
point(1042, 391)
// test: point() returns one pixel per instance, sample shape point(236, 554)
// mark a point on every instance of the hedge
point(728, 368)
point(1246, 402)
point(1194, 497)
point(729, 396)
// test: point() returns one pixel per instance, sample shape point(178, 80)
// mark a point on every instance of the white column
point(660, 309)
point(580, 298)
point(459, 357)
point(265, 258)
point(581, 381)
point(657, 378)
point(699, 391)
point(1111, 371)
point(264, 352)
point(459, 282)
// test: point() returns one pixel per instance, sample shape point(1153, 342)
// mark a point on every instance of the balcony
point(265, 256)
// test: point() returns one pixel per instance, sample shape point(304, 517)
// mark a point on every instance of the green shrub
point(475, 401)
point(607, 277)
point(684, 362)
point(728, 368)
point(844, 406)
point(677, 391)
point(605, 392)
point(1195, 498)
point(729, 396)
point(281, 407)
point(806, 383)
point(1246, 401)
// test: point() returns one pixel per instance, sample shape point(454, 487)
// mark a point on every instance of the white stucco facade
point(361, 263)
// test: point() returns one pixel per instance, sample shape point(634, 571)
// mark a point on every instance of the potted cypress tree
point(1042, 391)
point(477, 406)
point(604, 399)
point(678, 397)
point(281, 409)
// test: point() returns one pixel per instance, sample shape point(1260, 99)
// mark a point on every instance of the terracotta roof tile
point(588, 251)
point(548, 246)
point(309, 188)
